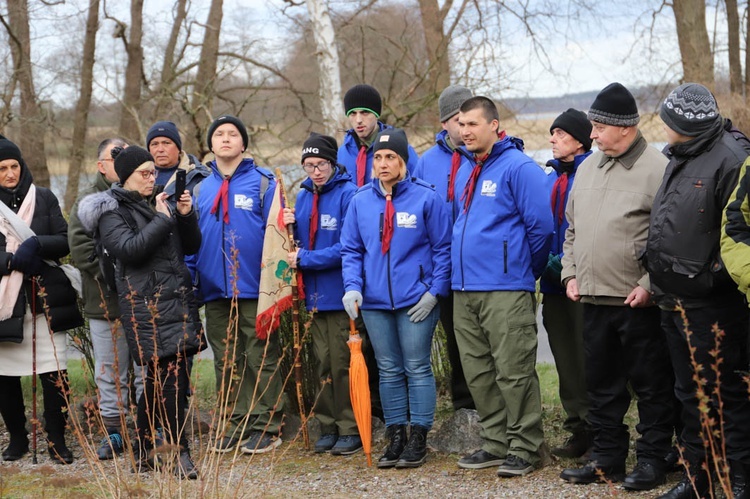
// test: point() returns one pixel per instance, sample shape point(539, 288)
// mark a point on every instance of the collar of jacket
point(577, 160)
point(381, 126)
point(630, 156)
point(444, 142)
point(398, 187)
point(339, 176)
point(697, 145)
point(245, 165)
point(101, 182)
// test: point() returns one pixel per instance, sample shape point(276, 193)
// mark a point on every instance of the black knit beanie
point(164, 129)
point(129, 160)
point(227, 118)
point(363, 98)
point(393, 139)
point(9, 150)
point(320, 146)
point(576, 124)
point(615, 106)
point(690, 110)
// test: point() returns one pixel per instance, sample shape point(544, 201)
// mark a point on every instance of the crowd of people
point(641, 257)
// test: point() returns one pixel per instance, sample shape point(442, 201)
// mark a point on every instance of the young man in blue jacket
point(233, 205)
point(321, 206)
point(439, 166)
point(563, 318)
point(363, 105)
point(500, 245)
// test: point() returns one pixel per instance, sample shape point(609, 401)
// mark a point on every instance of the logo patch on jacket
point(488, 188)
point(327, 222)
point(405, 220)
point(243, 202)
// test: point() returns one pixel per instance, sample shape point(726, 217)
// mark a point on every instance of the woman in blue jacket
point(321, 205)
point(396, 262)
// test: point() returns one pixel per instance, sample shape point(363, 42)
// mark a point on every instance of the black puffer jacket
point(682, 254)
point(59, 298)
point(158, 308)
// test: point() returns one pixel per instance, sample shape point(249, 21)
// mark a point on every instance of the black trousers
point(163, 401)
point(732, 318)
point(459, 389)
point(626, 346)
point(12, 408)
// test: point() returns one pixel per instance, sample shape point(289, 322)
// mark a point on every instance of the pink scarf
point(10, 285)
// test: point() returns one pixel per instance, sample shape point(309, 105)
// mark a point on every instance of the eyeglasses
point(323, 167)
point(106, 159)
point(146, 173)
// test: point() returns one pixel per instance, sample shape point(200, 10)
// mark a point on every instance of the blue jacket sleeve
point(352, 252)
point(417, 172)
point(439, 233)
point(330, 257)
point(268, 200)
point(528, 181)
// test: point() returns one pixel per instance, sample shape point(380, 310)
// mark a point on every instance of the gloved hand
point(352, 301)
point(26, 258)
point(553, 270)
point(422, 309)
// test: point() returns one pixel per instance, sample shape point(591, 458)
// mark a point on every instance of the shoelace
point(115, 439)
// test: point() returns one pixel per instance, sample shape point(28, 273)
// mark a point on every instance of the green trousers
point(248, 383)
point(333, 407)
point(563, 320)
point(496, 336)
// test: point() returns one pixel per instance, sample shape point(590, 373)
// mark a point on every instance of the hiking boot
point(514, 466)
point(479, 460)
point(185, 467)
point(227, 444)
point(415, 452)
point(575, 446)
point(346, 445)
point(591, 473)
point(645, 476)
point(261, 442)
point(58, 450)
point(326, 442)
point(111, 446)
point(684, 489)
point(672, 460)
point(738, 479)
point(397, 435)
point(18, 447)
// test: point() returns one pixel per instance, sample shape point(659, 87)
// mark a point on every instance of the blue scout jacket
point(501, 242)
point(321, 265)
point(419, 256)
point(349, 150)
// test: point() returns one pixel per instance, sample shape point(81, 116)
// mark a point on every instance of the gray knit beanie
point(690, 110)
point(615, 106)
point(450, 101)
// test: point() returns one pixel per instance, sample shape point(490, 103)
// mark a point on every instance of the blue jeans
point(402, 350)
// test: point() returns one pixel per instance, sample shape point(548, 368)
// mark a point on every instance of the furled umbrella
point(359, 391)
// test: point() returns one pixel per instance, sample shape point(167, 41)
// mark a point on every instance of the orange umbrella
point(359, 391)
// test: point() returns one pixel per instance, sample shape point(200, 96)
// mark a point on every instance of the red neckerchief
point(387, 224)
point(361, 165)
point(471, 184)
point(455, 163)
point(558, 196)
point(313, 219)
point(222, 197)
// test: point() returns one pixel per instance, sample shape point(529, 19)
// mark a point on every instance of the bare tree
point(31, 140)
point(130, 127)
point(80, 119)
point(733, 28)
point(168, 71)
point(328, 65)
point(692, 36)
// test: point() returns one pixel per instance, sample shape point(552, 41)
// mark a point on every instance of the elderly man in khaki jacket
point(608, 210)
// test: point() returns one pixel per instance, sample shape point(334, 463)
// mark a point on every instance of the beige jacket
point(608, 211)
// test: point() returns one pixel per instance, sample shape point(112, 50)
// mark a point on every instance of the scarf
point(471, 184)
point(10, 285)
point(387, 224)
point(455, 163)
point(222, 197)
point(313, 219)
point(560, 189)
point(361, 165)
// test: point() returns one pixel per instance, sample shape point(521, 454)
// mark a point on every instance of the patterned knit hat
point(363, 98)
point(615, 106)
point(690, 110)
point(450, 101)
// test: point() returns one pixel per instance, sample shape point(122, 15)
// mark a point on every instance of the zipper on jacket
point(461, 250)
point(224, 267)
point(390, 287)
point(505, 255)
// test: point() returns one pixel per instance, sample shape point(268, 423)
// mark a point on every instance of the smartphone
point(179, 183)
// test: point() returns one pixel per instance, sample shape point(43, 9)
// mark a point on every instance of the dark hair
point(117, 141)
point(488, 107)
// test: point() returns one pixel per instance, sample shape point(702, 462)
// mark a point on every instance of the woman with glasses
point(396, 263)
point(159, 313)
point(321, 205)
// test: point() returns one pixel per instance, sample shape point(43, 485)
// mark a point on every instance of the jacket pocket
point(505, 256)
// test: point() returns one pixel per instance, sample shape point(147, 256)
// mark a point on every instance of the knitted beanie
point(227, 118)
point(9, 150)
point(576, 124)
point(129, 160)
point(164, 129)
point(690, 110)
point(320, 146)
point(363, 98)
point(615, 106)
point(393, 139)
point(450, 101)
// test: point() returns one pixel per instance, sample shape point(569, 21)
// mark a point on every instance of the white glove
point(352, 301)
point(422, 309)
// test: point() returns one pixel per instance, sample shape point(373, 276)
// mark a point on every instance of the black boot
point(575, 446)
point(397, 435)
point(415, 453)
point(685, 490)
point(738, 478)
point(12, 411)
point(54, 387)
point(185, 467)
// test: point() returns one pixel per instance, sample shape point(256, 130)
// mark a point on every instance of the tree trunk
point(733, 27)
point(439, 71)
point(31, 140)
point(130, 127)
point(328, 66)
point(747, 55)
point(165, 91)
point(205, 79)
point(80, 119)
point(692, 36)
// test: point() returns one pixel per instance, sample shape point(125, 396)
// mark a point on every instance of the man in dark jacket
point(696, 295)
point(111, 355)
